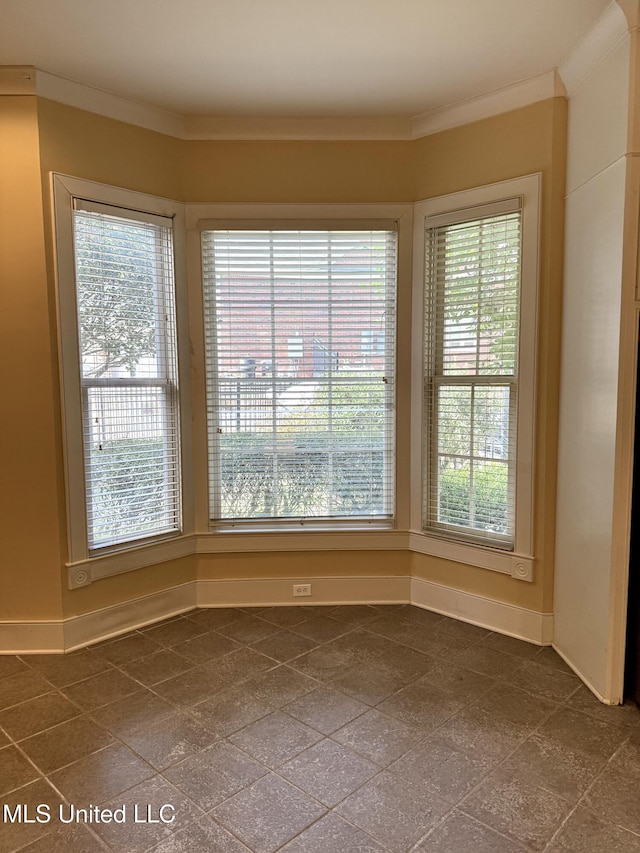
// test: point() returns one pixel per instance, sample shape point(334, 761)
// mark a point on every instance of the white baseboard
point(257, 592)
point(79, 631)
point(586, 681)
point(31, 637)
point(487, 613)
point(119, 618)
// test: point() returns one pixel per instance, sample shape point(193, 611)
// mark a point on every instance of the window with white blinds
point(126, 323)
point(472, 318)
point(300, 343)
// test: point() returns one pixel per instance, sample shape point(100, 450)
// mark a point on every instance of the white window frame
point(519, 561)
point(198, 536)
point(201, 217)
point(80, 557)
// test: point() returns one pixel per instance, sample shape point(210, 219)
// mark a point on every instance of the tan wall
point(30, 517)
point(292, 564)
point(520, 142)
point(125, 587)
point(298, 171)
point(482, 582)
point(84, 145)
point(487, 151)
point(93, 147)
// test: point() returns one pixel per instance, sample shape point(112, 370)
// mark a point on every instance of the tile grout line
point(187, 711)
point(586, 791)
point(459, 805)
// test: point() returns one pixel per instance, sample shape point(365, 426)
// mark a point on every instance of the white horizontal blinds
point(128, 364)
point(300, 384)
point(472, 321)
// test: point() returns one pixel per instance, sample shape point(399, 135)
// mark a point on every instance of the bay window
point(116, 289)
point(293, 319)
point(476, 258)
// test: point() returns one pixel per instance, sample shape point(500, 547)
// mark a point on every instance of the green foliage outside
point(479, 266)
point(128, 481)
point(490, 489)
point(328, 459)
point(118, 274)
point(298, 481)
point(117, 312)
point(478, 271)
point(346, 408)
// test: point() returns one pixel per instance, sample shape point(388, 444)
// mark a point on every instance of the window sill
point(519, 566)
point(307, 525)
point(369, 539)
point(84, 572)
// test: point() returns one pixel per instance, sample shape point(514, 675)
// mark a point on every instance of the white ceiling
point(295, 58)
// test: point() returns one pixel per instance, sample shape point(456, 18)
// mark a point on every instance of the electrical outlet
point(301, 589)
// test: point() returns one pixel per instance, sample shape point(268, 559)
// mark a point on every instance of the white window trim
point(196, 537)
point(519, 562)
point(127, 555)
point(202, 217)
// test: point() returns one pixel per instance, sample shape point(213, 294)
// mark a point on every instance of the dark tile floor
point(314, 730)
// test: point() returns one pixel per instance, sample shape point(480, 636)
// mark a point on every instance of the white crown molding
point(520, 94)
point(27, 80)
point(17, 80)
point(511, 97)
point(596, 45)
point(103, 103)
point(631, 9)
point(297, 129)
